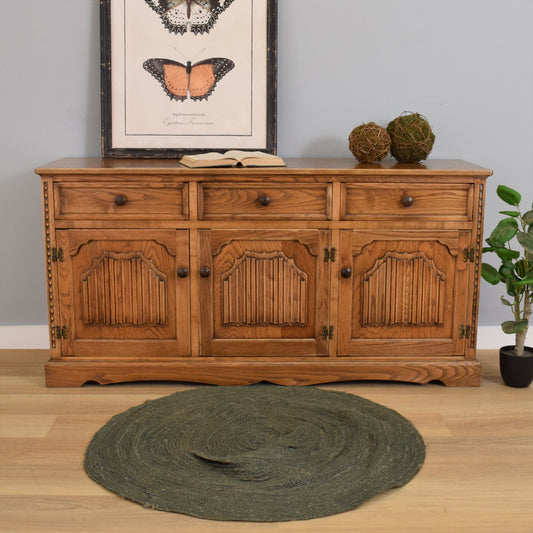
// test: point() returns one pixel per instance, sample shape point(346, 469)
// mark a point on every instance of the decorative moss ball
point(411, 138)
point(369, 142)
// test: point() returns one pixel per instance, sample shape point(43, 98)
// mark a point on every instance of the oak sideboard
point(324, 270)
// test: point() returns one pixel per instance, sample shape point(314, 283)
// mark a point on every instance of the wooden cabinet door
point(120, 295)
point(266, 294)
point(407, 294)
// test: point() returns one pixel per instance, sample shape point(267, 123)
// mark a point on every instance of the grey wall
point(467, 65)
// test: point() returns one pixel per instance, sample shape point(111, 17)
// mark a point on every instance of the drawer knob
point(346, 272)
point(120, 199)
point(264, 200)
point(408, 201)
point(183, 272)
point(205, 272)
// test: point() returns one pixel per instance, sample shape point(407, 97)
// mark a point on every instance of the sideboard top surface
point(322, 166)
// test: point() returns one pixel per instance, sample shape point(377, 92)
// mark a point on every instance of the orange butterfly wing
point(202, 80)
point(172, 76)
point(176, 79)
point(206, 74)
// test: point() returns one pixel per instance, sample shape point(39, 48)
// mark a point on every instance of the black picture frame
point(259, 115)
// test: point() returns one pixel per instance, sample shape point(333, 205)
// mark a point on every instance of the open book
point(232, 158)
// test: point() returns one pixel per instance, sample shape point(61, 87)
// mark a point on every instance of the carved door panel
point(119, 293)
point(407, 294)
point(267, 292)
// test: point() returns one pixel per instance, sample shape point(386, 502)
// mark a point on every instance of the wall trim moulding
point(36, 338)
point(24, 337)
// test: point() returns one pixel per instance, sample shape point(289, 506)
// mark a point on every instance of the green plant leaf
point(490, 274)
point(510, 288)
point(514, 326)
point(508, 195)
point(508, 222)
point(506, 302)
point(494, 244)
point(523, 282)
point(528, 218)
point(507, 273)
point(508, 264)
point(502, 234)
point(510, 213)
point(526, 240)
point(507, 255)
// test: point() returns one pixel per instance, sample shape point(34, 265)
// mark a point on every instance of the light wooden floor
point(477, 478)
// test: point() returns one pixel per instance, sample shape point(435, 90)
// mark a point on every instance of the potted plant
point(512, 242)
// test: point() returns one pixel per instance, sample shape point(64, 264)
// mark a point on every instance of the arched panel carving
point(124, 289)
point(264, 288)
point(403, 289)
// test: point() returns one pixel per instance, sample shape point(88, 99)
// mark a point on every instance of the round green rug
point(261, 453)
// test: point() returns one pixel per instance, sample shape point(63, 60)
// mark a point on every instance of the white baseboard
point(24, 337)
point(492, 337)
point(36, 337)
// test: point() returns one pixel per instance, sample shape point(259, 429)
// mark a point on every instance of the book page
point(242, 154)
point(205, 157)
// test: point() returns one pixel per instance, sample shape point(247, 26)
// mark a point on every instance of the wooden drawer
point(254, 200)
point(407, 200)
point(121, 201)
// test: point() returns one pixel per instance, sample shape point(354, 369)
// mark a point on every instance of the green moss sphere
point(411, 138)
point(369, 143)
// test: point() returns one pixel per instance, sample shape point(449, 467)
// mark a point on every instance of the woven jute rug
point(261, 453)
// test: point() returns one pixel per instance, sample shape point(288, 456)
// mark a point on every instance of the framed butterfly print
point(182, 76)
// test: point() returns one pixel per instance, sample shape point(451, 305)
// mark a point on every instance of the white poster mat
point(233, 116)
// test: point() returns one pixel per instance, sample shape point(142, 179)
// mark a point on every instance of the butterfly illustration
point(198, 16)
point(197, 81)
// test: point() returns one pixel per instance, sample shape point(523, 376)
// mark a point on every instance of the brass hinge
point(330, 254)
point(469, 255)
point(57, 255)
point(61, 332)
point(464, 331)
point(327, 333)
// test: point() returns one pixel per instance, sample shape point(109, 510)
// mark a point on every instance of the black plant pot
point(516, 371)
